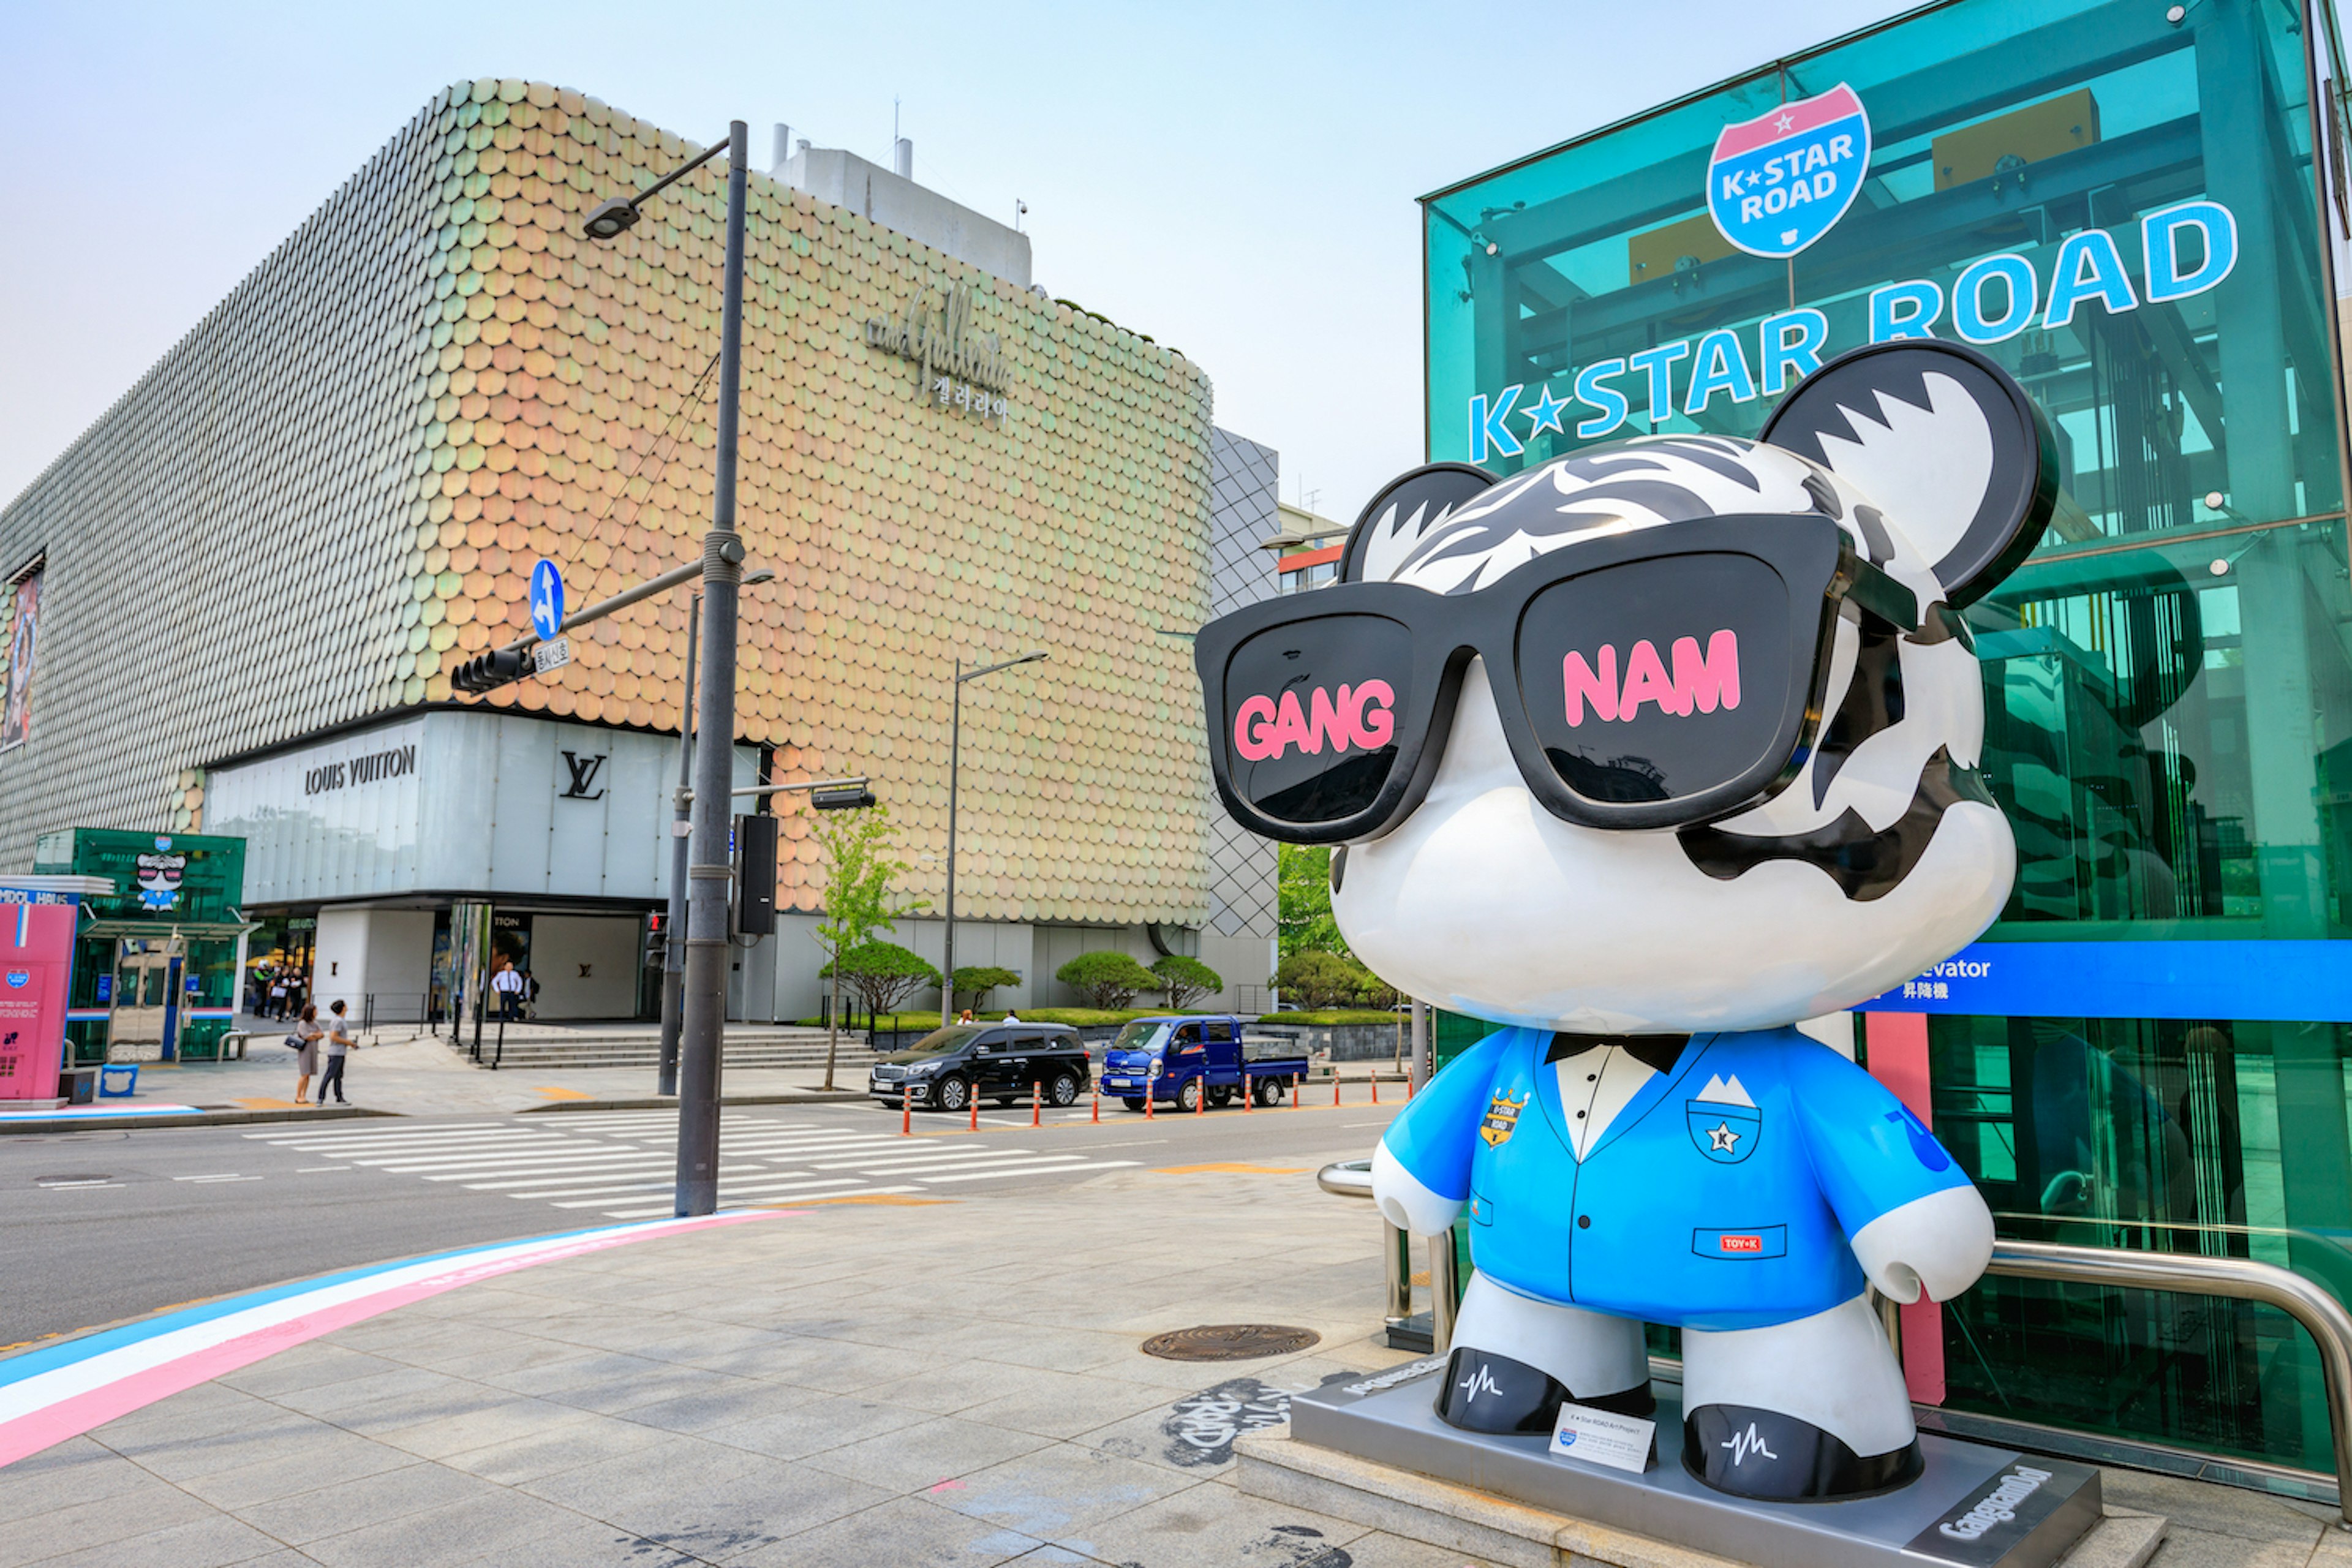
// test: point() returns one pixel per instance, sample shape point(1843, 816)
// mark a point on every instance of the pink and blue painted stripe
point(63, 1391)
point(98, 1112)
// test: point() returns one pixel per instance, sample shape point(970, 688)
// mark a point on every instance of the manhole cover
point(1230, 1342)
point(82, 1181)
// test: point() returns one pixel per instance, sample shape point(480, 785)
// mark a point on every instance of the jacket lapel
point(1659, 1090)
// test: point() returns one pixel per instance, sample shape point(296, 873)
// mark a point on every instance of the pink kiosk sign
point(37, 943)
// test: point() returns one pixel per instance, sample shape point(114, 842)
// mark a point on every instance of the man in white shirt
point(507, 984)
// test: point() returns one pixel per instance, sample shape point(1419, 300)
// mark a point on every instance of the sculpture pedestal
point(1526, 1505)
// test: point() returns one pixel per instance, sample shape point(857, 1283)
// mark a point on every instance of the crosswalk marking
point(1066, 1164)
point(559, 1154)
point(544, 1179)
point(621, 1164)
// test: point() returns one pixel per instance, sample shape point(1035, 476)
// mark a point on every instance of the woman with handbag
point(304, 1041)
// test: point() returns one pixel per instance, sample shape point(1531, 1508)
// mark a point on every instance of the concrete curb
point(202, 1119)
point(670, 1101)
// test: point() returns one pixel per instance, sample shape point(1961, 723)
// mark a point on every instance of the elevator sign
point(1778, 181)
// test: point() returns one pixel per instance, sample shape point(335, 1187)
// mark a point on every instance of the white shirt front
point(1594, 1086)
point(507, 980)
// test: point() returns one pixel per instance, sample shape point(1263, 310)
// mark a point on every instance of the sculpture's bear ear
point(1940, 437)
point(1407, 508)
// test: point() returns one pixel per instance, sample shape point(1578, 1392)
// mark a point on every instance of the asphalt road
point(102, 1226)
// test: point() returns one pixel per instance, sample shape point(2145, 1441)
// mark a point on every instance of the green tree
point(883, 974)
point(1304, 922)
point(1184, 978)
point(860, 894)
point(980, 979)
point(1110, 980)
point(1316, 980)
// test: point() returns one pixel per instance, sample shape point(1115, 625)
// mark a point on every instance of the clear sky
point(1236, 180)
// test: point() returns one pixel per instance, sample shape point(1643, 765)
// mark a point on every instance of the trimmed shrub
point(1107, 980)
point(1184, 978)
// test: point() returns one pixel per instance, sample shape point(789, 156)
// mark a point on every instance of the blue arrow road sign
point(546, 600)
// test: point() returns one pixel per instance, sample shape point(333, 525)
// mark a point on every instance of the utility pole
point(702, 1036)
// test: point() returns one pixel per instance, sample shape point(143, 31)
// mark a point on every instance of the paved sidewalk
point(425, 1076)
point(903, 1382)
point(949, 1383)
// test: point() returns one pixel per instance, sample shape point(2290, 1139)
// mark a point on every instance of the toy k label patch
point(1502, 1120)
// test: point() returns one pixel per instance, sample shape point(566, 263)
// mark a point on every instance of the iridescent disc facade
point(334, 487)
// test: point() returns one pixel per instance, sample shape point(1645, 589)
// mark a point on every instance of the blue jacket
point(1699, 1213)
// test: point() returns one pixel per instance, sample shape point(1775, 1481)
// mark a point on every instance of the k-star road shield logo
point(1778, 181)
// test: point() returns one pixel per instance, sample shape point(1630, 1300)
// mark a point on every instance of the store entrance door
point(143, 978)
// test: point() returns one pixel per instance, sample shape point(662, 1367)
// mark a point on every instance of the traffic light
point(755, 876)
point(844, 797)
point(489, 671)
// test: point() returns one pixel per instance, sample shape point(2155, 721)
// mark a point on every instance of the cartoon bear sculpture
point(1648, 753)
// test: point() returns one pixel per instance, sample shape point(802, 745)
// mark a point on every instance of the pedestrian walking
point(305, 1037)
point(508, 982)
point(338, 1046)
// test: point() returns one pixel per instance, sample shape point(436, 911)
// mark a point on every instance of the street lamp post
point(703, 984)
point(955, 757)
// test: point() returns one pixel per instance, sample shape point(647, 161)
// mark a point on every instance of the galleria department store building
point(253, 575)
point(2120, 202)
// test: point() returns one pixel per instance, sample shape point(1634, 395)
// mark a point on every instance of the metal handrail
point(2238, 1279)
point(1346, 1178)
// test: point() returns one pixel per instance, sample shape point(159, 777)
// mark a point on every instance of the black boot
point(1485, 1392)
point(1763, 1453)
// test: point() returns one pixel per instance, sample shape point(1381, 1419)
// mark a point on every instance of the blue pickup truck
point(1177, 1059)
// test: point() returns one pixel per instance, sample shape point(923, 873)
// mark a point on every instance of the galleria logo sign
point(942, 342)
point(1701, 682)
point(1263, 729)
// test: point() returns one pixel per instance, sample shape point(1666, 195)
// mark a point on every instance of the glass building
point(2122, 202)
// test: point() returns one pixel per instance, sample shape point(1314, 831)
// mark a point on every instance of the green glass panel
point(2154, 1136)
point(2049, 132)
point(2169, 730)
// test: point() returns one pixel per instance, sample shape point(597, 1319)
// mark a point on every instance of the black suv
point(949, 1068)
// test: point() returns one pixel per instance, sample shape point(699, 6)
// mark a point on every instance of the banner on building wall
point(17, 715)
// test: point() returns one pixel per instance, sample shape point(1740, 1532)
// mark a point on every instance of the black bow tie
point(1657, 1052)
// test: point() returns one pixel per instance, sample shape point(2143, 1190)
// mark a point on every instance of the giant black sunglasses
point(1657, 679)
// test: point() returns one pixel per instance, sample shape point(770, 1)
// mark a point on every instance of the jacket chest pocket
point(1482, 1208)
